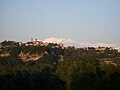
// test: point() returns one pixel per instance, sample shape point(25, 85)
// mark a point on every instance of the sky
point(81, 20)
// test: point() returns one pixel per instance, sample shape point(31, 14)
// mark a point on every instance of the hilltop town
point(36, 49)
point(34, 64)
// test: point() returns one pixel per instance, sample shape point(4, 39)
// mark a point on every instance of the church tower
point(31, 39)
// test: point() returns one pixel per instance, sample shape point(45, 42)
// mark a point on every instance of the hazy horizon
point(80, 20)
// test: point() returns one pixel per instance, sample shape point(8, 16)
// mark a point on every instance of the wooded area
point(59, 69)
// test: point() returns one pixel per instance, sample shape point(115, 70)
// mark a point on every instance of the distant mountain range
point(70, 42)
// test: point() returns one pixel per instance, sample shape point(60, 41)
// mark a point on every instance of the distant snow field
point(70, 42)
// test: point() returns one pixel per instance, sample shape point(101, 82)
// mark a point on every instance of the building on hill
point(33, 43)
point(38, 43)
point(61, 46)
point(118, 49)
point(46, 44)
point(100, 48)
point(30, 44)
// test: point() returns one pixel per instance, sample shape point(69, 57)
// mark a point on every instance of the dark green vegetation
point(59, 69)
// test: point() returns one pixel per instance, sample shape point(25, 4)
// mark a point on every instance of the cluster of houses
point(99, 48)
point(33, 43)
point(40, 43)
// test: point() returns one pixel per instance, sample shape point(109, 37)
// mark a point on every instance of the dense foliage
point(60, 69)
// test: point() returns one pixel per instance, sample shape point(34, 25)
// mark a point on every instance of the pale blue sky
point(81, 20)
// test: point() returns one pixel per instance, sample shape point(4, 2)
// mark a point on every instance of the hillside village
point(35, 64)
point(36, 49)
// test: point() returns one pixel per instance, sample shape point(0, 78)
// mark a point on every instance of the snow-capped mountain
point(70, 42)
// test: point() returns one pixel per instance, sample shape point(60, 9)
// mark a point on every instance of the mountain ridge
point(70, 42)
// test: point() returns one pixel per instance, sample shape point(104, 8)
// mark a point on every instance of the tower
point(36, 39)
point(31, 39)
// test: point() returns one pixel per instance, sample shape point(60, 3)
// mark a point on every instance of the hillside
point(51, 66)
